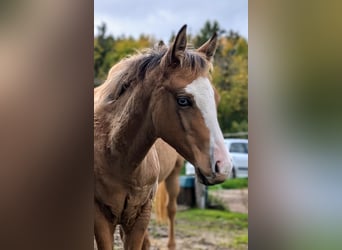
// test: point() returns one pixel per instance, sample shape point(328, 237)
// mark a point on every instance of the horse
point(166, 93)
point(165, 202)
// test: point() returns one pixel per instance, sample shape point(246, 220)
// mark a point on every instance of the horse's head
point(185, 108)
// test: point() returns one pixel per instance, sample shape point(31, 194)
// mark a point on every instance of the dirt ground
point(202, 235)
point(236, 200)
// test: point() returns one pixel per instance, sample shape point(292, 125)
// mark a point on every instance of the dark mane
point(133, 69)
point(150, 60)
point(146, 60)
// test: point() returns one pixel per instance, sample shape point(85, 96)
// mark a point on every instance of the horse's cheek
point(161, 118)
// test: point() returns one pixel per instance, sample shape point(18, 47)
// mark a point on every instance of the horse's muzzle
point(215, 178)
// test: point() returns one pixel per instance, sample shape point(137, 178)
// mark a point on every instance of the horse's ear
point(175, 54)
point(161, 43)
point(209, 48)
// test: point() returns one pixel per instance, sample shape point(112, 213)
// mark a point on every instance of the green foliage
point(230, 73)
point(236, 183)
point(206, 32)
point(103, 46)
point(231, 79)
point(109, 50)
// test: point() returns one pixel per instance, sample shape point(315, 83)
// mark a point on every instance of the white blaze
point(203, 94)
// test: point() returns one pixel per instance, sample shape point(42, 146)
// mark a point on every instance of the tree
point(109, 50)
point(103, 47)
point(206, 32)
point(230, 76)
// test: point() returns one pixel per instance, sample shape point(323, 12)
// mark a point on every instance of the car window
point(238, 148)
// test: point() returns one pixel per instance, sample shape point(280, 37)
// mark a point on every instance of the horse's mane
point(133, 69)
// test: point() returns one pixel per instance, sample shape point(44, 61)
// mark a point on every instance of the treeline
point(230, 74)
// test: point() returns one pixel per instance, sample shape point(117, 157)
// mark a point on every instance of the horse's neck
point(132, 131)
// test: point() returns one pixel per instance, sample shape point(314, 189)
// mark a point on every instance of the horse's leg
point(172, 187)
point(135, 233)
point(146, 243)
point(104, 230)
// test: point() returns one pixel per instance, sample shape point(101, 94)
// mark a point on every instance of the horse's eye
point(183, 101)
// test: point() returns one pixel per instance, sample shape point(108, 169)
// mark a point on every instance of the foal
point(162, 93)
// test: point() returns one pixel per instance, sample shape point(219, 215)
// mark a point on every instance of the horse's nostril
point(217, 170)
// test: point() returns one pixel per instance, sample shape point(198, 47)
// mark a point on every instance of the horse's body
point(166, 198)
point(163, 93)
point(125, 199)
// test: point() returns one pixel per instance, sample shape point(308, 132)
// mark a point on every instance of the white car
point(238, 149)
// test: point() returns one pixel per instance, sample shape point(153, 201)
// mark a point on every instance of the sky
point(160, 18)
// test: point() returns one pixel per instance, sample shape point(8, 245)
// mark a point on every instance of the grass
point(240, 240)
point(236, 183)
point(204, 228)
point(227, 230)
point(199, 214)
point(234, 220)
point(214, 202)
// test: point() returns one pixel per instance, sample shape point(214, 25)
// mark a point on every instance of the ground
point(236, 200)
point(206, 229)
